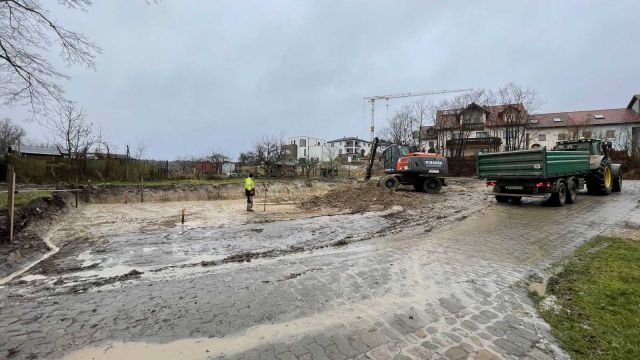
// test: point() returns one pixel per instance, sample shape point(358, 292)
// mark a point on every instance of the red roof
point(582, 118)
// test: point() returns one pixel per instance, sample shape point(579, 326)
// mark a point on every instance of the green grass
point(598, 291)
point(23, 197)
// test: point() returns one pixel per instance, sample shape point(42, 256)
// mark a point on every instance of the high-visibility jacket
point(248, 184)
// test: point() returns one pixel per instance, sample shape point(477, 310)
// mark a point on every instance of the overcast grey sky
point(188, 77)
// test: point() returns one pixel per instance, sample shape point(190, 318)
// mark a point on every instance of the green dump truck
point(557, 174)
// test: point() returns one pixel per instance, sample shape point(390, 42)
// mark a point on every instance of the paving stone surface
point(452, 293)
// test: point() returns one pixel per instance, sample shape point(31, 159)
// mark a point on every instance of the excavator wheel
point(389, 182)
point(432, 185)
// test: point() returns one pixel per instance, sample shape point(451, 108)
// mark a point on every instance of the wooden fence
point(39, 171)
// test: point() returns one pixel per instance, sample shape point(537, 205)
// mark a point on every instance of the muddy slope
point(31, 221)
point(111, 193)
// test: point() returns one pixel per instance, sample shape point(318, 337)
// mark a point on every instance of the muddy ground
point(31, 224)
point(107, 243)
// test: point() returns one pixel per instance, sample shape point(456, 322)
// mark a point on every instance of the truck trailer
point(556, 174)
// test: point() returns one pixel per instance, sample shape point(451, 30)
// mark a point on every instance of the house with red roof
point(478, 128)
point(619, 126)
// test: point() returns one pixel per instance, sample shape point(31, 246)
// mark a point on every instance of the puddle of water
point(29, 278)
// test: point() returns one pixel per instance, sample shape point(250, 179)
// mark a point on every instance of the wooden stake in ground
point(75, 187)
point(11, 177)
point(264, 205)
point(141, 189)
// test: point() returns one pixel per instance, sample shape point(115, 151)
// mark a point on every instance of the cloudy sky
point(189, 77)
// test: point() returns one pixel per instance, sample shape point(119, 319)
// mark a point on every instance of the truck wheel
point(617, 182)
point(502, 199)
point(559, 198)
point(601, 180)
point(572, 193)
point(389, 182)
point(432, 185)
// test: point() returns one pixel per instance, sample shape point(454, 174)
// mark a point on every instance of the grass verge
point(598, 298)
point(23, 197)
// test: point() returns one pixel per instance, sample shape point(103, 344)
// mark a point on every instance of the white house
point(308, 148)
point(349, 147)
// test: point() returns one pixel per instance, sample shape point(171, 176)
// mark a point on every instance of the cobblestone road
point(452, 293)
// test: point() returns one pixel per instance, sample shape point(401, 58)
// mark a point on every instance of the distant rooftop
point(350, 138)
point(35, 150)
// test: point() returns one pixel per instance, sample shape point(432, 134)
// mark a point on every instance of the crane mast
point(373, 99)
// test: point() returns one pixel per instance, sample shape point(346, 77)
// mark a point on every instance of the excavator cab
point(392, 154)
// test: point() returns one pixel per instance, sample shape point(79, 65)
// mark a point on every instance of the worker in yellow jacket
point(249, 191)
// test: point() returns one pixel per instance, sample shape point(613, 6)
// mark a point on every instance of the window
point(610, 134)
point(482, 134)
point(318, 143)
point(598, 116)
point(510, 117)
point(586, 134)
point(303, 142)
point(556, 120)
point(456, 136)
point(332, 144)
point(562, 137)
point(357, 143)
point(305, 153)
point(339, 151)
point(542, 137)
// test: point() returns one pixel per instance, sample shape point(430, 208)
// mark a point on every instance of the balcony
point(475, 141)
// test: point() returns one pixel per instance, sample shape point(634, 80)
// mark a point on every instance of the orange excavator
point(425, 171)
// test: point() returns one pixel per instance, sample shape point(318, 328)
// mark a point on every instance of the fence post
point(141, 189)
point(11, 177)
point(75, 191)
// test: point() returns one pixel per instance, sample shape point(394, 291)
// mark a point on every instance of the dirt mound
point(366, 196)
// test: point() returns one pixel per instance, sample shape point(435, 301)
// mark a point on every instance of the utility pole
point(372, 100)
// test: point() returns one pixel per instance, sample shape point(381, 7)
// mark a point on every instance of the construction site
point(305, 180)
point(321, 269)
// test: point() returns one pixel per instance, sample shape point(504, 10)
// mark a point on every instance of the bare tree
point(401, 127)
point(217, 159)
point(458, 118)
point(269, 151)
point(27, 34)
point(516, 117)
point(140, 149)
point(73, 134)
point(422, 113)
point(309, 166)
point(623, 141)
point(10, 134)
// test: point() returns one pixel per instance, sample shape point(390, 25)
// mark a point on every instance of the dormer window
point(557, 120)
point(533, 121)
point(598, 116)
